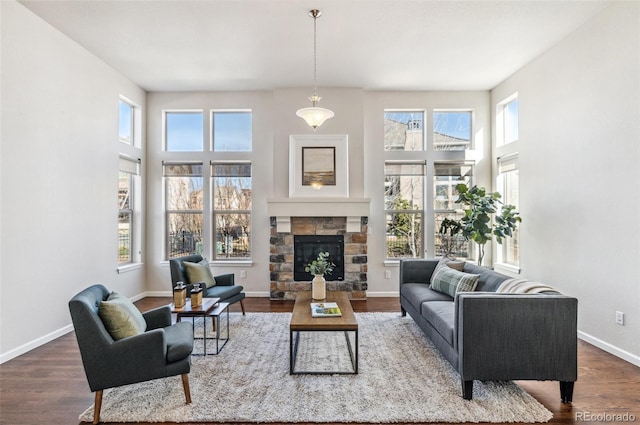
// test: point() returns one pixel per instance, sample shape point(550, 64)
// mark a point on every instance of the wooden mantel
point(285, 208)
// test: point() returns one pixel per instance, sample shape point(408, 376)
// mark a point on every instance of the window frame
point(131, 121)
point(420, 212)
point(165, 130)
point(130, 167)
point(502, 121)
point(511, 162)
point(214, 212)
point(190, 211)
point(468, 146)
point(212, 145)
point(456, 210)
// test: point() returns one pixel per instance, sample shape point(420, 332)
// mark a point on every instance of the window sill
point(392, 263)
point(509, 268)
point(221, 263)
point(231, 263)
point(129, 267)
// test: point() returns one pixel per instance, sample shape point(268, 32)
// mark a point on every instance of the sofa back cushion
point(489, 280)
point(450, 281)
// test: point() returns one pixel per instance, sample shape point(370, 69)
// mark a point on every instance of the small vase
point(319, 288)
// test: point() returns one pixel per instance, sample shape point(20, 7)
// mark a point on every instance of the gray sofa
point(493, 336)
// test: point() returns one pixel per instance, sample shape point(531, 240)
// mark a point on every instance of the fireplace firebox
point(306, 249)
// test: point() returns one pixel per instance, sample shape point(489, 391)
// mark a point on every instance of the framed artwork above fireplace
point(318, 166)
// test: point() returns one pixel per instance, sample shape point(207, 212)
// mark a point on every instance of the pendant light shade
point(314, 116)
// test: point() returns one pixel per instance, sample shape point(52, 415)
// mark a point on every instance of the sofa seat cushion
point(440, 314)
point(223, 292)
point(179, 339)
point(417, 293)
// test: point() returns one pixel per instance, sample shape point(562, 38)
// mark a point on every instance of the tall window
point(404, 208)
point(507, 121)
point(447, 176)
point(184, 131)
point(452, 130)
point(231, 131)
point(231, 183)
point(129, 169)
point(126, 119)
point(208, 211)
point(184, 208)
point(509, 188)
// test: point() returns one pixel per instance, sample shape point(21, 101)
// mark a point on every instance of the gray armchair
point(163, 350)
point(225, 287)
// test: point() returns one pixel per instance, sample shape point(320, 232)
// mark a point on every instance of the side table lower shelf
point(215, 313)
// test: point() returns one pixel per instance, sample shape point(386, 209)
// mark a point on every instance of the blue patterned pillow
point(450, 281)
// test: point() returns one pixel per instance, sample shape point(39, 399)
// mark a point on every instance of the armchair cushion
point(200, 272)
point(120, 317)
point(179, 338)
point(222, 292)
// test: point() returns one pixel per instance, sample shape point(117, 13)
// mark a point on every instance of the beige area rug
point(402, 378)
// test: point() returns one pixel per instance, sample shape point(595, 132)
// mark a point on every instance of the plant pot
point(318, 287)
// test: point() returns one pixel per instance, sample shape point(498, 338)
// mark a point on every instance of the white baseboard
point(611, 349)
point(393, 294)
point(5, 357)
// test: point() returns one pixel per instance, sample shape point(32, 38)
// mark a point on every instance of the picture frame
point(318, 166)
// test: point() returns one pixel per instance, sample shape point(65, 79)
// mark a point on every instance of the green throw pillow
point(121, 318)
point(450, 281)
point(200, 272)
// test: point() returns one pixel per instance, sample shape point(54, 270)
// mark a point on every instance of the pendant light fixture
point(314, 116)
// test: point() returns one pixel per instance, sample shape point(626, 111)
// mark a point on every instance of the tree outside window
point(184, 206)
point(231, 183)
point(404, 209)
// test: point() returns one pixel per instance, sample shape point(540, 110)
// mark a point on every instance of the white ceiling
point(372, 44)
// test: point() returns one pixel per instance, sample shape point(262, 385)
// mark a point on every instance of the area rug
point(402, 378)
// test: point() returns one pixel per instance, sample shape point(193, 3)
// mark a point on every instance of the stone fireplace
point(281, 259)
point(321, 217)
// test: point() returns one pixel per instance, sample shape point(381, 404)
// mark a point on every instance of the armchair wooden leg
point(185, 384)
point(97, 406)
point(242, 306)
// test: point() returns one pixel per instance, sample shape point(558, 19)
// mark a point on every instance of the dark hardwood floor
point(47, 386)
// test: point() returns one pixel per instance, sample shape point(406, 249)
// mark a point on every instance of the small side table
point(215, 314)
point(203, 310)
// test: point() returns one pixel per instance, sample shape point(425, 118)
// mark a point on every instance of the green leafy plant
point(477, 226)
point(321, 265)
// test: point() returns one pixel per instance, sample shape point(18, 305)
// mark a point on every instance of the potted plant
point(319, 267)
point(476, 224)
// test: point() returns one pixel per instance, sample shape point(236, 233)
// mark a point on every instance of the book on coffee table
point(325, 310)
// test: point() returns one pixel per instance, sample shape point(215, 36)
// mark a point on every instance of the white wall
point(580, 176)
point(59, 169)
